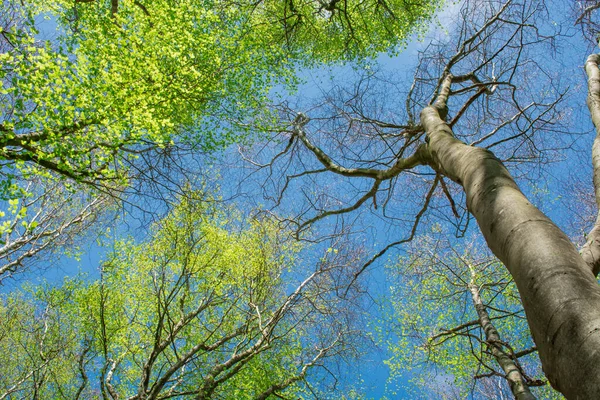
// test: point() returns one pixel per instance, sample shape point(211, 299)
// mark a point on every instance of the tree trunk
point(560, 294)
point(591, 249)
point(515, 378)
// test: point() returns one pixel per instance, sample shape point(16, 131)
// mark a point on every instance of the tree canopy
point(124, 107)
point(94, 94)
point(207, 307)
point(118, 78)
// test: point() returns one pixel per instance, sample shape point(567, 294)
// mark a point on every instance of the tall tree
point(478, 91)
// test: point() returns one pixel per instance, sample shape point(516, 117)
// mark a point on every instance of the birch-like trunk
point(515, 378)
point(591, 250)
point(558, 290)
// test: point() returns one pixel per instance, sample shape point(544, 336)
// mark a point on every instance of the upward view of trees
point(480, 100)
point(130, 109)
point(200, 310)
point(120, 87)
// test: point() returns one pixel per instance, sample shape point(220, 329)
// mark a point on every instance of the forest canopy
point(204, 307)
point(262, 233)
point(96, 95)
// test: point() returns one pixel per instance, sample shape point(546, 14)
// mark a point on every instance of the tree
point(480, 336)
point(118, 81)
point(481, 88)
point(46, 219)
point(204, 308)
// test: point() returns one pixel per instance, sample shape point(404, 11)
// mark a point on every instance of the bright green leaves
point(109, 86)
point(335, 30)
point(200, 301)
point(438, 329)
point(207, 247)
point(115, 81)
point(88, 86)
point(36, 346)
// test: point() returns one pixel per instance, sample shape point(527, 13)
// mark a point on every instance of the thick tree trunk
point(560, 294)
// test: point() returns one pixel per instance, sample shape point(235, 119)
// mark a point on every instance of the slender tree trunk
point(591, 249)
point(515, 378)
point(559, 292)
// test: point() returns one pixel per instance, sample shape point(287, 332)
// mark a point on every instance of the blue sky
point(550, 196)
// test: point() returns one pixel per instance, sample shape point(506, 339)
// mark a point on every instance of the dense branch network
point(482, 89)
point(393, 151)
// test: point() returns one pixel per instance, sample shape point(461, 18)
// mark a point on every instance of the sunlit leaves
point(112, 82)
point(334, 30)
point(437, 327)
point(204, 289)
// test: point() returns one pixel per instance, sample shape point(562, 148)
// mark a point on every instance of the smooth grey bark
point(559, 293)
point(516, 380)
point(591, 249)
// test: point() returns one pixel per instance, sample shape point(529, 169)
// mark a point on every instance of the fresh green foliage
point(117, 80)
point(88, 87)
point(437, 327)
point(110, 86)
point(334, 30)
point(198, 309)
